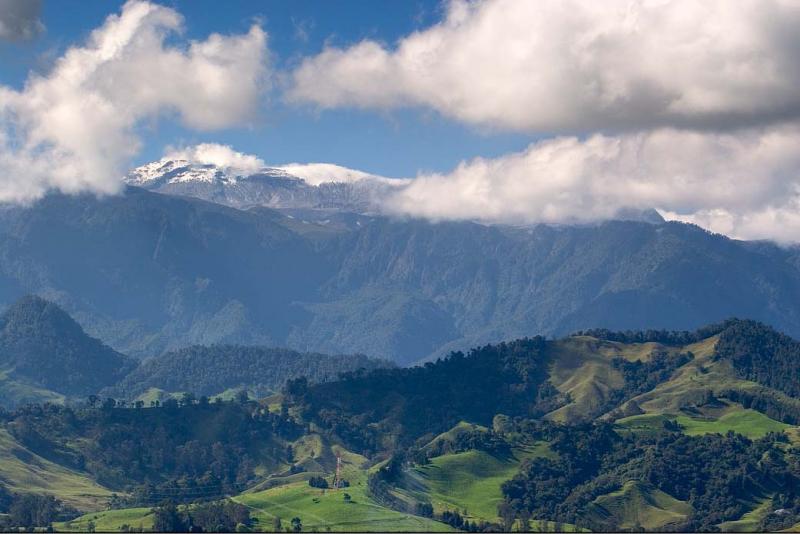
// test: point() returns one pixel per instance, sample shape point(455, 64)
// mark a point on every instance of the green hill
point(469, 480)
point(44, 348)
point(637, 506)
point(24, 471)
point(601, 430)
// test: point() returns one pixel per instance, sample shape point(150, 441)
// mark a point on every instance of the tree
point(318, 482)
point(33, 510)
point(297, 524)
point(166, 518)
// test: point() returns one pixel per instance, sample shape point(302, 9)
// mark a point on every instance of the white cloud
point(571, 65)
point(745, 185)
point(74, 129)
point(319, 173)
point(221, 156)
point(19, 19)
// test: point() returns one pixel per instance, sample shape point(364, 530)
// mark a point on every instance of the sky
point(518, 111)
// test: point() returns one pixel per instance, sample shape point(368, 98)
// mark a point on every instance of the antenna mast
point(337, 479)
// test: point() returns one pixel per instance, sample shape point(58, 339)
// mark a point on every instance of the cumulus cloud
point(574, 66)
point(746, 185)
point(221, 156)
point(19, 19)
point(74, 129)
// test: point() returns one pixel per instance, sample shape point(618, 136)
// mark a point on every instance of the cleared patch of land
point(746, 422)
point(109, 521)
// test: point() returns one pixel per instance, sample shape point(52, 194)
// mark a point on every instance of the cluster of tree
point(641, 377)
point(783, 513)
point(761, 354)
point(42, 344)
point(716, 474)
point(28, 511)
point(474, 439)
point(211, 370)
point(665, 337)
point(386, 408)
point(217, 516)
point(178, 451)
point(318, 482)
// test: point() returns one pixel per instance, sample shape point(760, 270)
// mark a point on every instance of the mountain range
point(147, 272)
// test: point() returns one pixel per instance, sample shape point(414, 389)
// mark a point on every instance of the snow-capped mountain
point(296, 186)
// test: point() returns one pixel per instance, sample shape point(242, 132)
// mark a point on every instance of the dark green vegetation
point(213, 370)
point(597, 431)
point(45, 356)
point(147, 273)
point(394, 407)
point(195, 449)
point(43, 347)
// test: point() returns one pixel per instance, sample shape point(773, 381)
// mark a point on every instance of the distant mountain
point(147, 273)
point(42, 346)
point(316, 186)
point(213, 370)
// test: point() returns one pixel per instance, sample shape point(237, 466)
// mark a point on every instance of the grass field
point(469, 480)
point(23, 471)
point(749, 423)
point(109, 520)
point(327, 509)
point(638, 505)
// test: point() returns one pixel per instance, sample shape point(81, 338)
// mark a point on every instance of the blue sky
point(393, 143)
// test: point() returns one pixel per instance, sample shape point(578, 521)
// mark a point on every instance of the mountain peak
point(252, 183)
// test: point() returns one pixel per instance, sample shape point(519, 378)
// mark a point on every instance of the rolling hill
point(600, 430)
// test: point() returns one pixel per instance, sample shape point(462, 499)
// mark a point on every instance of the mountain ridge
point(148, 272)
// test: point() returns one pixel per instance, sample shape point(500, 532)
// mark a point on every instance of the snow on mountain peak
point(220, 174)
point(222, 157)
point(321, 173)
point(211, 162)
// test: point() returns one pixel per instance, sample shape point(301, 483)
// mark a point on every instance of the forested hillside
point(42, 346)
point(158, 273)
point(602, 430)
point(215, 369)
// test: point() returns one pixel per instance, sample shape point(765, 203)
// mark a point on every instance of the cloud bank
point(74, 129)
point(745, 185)
point(19, 19)
point(691, 107)
point(574, 66)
